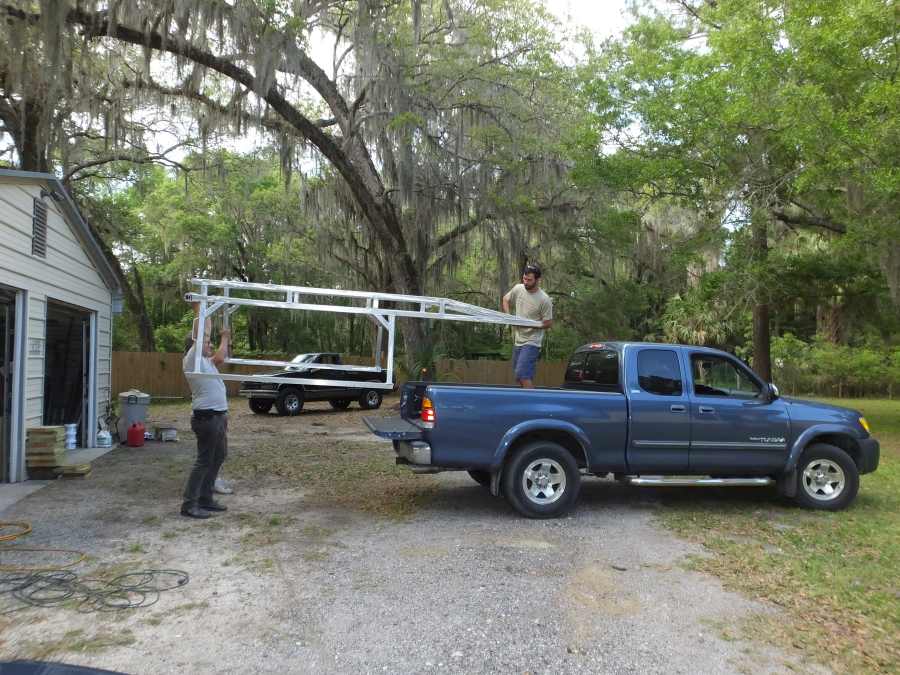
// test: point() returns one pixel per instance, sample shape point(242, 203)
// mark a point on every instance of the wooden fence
point(160, 374)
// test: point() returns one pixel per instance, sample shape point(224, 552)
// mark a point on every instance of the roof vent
point(39, 229)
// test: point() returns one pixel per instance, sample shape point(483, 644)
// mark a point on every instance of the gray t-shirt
point(537, 305)
point(207, 393)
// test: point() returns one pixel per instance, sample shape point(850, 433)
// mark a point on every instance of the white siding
point(66, 275)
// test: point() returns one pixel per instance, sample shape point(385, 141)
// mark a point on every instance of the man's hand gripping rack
point(381, 308)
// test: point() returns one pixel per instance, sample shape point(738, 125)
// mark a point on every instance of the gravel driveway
point(332, 560)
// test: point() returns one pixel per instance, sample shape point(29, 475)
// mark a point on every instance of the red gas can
point(136, 435)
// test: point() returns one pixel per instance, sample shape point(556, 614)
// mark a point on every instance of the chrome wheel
point(823, 480)
point(370, 399)
point(544, 481)
point(292, 403)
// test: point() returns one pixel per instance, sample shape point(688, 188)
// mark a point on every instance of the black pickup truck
point(288, 399)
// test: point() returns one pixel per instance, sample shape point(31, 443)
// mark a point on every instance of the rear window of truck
point(597, 370)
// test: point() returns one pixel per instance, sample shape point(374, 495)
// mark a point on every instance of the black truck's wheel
point(827, 478)
point(290, 401)
point(340, 403)
point(370, 399)
point(261, 406)
point(483, 478)
point(541, 480)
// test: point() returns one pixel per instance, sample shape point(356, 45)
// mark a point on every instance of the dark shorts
point(524, 360)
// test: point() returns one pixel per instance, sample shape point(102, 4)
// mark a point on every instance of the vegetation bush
point(826, 369)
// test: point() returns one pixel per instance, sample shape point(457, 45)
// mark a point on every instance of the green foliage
point(633, 177)
point(835, 370)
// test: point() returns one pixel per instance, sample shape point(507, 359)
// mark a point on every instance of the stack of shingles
point(45, 448)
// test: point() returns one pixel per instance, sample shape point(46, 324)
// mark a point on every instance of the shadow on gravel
point(595, 494)
point(475, 502)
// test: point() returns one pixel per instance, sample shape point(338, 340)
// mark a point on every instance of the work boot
point(194, 511)
point(212, 505)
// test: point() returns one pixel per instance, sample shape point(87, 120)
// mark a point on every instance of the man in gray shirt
point(209, 421)
point(530, 303)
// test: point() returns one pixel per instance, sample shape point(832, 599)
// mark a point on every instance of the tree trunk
point(137, 305)
point(762, 362)
point(30, 142)
point(830, 323)
point(23, 122)
point(890, 265)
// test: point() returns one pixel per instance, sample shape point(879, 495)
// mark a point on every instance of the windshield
point(303, 358)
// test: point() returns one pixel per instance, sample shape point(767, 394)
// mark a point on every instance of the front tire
point(289, 402)
point(827, 478)
point(370, 399)
point(542, 480)
point(261, 406)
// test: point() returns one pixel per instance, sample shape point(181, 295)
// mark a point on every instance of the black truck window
point(575, 369)
point(602, 368)
point(658, 372)
point(594, 370)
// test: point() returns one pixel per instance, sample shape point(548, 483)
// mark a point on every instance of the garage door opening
point(7, 355)
point(67, 367)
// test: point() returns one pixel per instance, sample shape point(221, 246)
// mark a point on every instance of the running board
point(686, 481)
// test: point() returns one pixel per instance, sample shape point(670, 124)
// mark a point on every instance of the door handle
point(677, 408)
point(707, 409)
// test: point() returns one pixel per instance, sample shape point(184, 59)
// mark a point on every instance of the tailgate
point(394, 428)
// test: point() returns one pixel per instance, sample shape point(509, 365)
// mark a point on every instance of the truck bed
point(474, 418)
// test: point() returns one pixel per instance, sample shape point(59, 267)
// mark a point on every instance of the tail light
point(428, 410)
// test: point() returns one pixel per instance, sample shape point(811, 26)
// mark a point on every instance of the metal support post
point(392, 322)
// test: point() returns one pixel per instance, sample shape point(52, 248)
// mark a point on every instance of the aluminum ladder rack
point(214, 295)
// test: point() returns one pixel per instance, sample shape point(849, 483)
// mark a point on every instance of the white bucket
point(71, 435)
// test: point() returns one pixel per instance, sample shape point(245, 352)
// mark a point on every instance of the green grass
point(837, 575)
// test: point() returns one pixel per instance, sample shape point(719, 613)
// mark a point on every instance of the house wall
point(67, 275)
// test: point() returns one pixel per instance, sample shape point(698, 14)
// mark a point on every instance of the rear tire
point(483, 478)
point(541, 480)
point(370, 399)
point(261, 406)
point(827, 478)
point(289, 402)
point(340, 404)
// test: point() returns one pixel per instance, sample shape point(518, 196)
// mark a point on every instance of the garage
point(58, 294)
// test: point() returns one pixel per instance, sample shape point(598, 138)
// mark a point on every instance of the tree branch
point(133, 157)
point(809, 220)
point(460, 230)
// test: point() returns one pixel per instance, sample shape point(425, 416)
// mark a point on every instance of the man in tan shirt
point(530, 303)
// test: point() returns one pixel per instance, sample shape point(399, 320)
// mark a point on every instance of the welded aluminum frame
point(215, 295)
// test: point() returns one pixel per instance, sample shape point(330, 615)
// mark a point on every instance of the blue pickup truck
point(650, 414)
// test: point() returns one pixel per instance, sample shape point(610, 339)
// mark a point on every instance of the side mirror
point(773, 392)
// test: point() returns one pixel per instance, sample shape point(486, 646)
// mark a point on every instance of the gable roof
point(82, 230)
